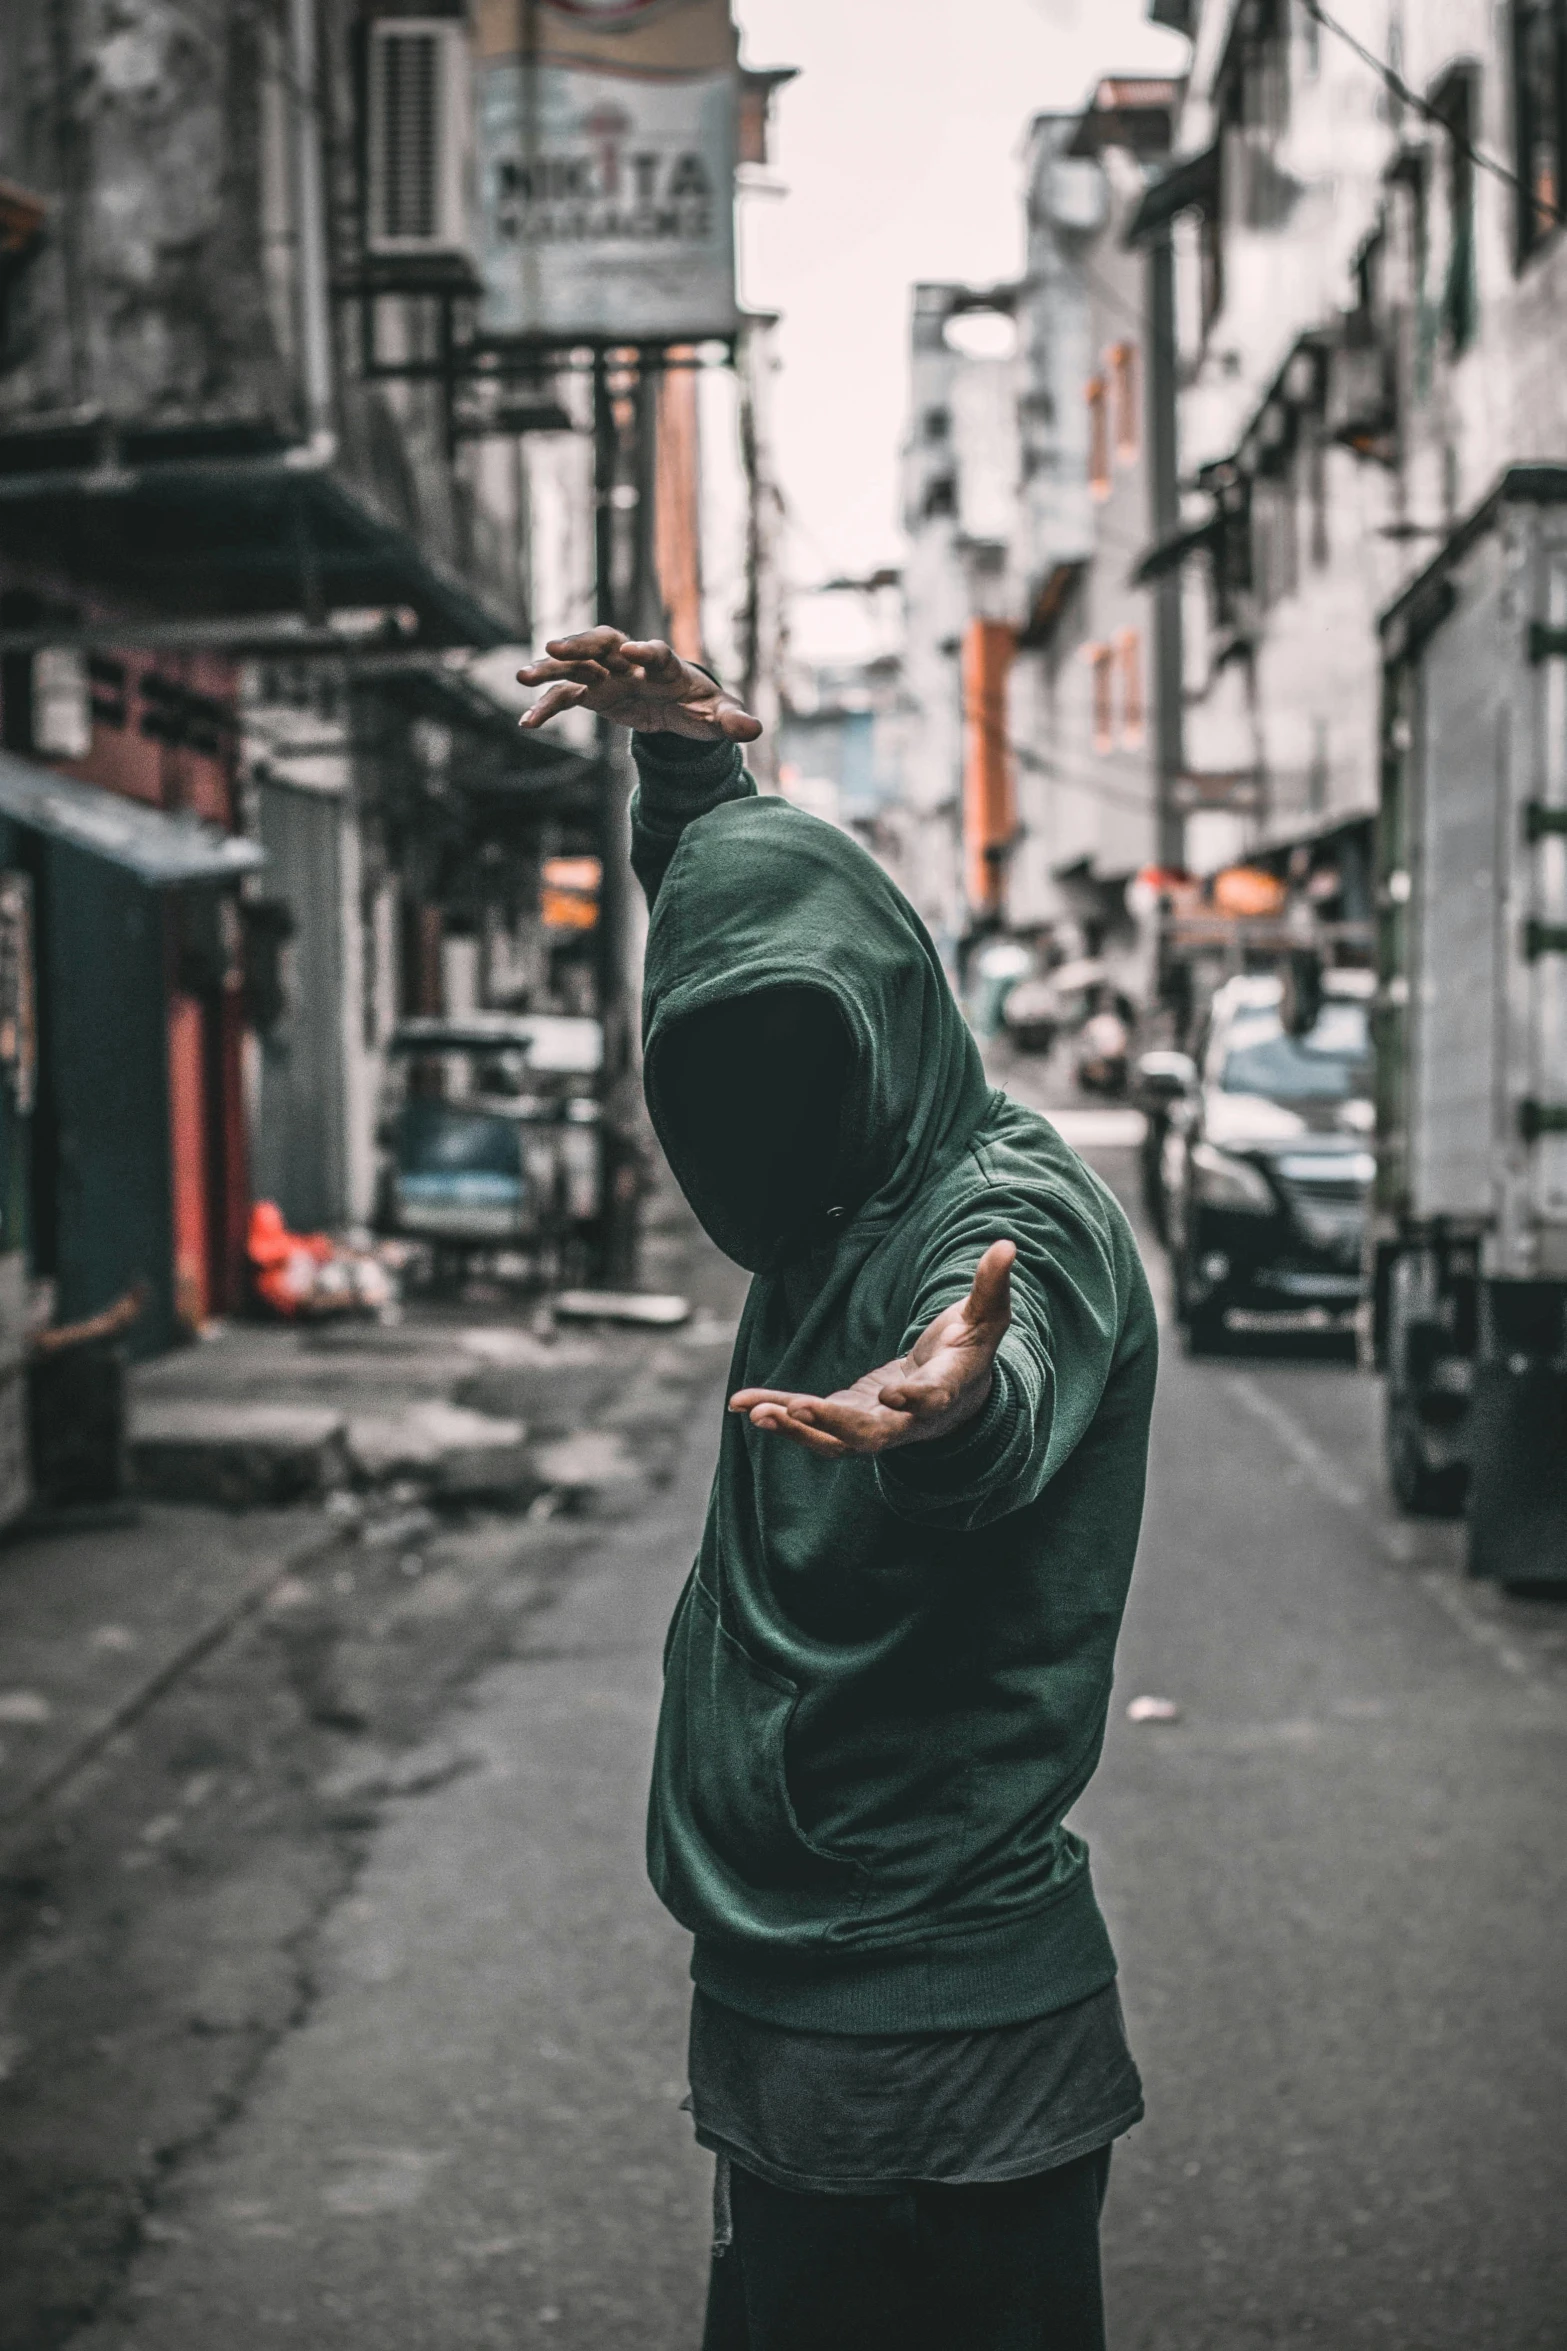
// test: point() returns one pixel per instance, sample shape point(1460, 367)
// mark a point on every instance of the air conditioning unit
point(418, 74)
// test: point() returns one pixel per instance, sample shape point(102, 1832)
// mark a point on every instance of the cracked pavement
point(211, 1718)
point(367, 2029)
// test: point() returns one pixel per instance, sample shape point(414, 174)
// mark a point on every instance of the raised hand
point(943, 1381)
point(637, 683)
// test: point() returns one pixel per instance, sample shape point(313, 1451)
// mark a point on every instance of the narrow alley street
point(608, 610)
point(1328, 1882)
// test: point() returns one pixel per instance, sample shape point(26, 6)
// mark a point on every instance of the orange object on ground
point(284, 1264)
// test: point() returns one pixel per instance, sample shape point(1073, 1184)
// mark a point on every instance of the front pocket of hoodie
point(730, 1849)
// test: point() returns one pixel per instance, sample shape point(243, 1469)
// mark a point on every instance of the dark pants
point(1009, 2268)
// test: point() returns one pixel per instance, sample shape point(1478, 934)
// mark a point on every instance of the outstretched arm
point(687, 731)
point(1009, 1346)
point(942, 1383)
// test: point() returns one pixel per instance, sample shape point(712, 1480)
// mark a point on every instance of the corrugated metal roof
point(237, 534)
point(158, 849)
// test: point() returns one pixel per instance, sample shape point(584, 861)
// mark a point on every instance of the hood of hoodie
point(762, 897)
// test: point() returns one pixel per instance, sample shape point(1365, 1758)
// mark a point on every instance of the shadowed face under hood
point(803, 1051)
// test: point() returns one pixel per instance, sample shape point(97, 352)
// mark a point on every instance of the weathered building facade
point(1031, 772)
point(280, 508)
point(960, 475)
point(1368, 264)
point(193, 454)
point(1083, 689)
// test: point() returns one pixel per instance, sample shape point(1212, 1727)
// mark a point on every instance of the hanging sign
point(607, 177)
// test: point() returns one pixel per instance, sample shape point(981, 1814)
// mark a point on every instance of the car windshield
point(435, 1138)
point(1330, 1063)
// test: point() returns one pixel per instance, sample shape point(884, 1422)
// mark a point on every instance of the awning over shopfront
point(162, 851)
point(1191, 185)
point(208, 536)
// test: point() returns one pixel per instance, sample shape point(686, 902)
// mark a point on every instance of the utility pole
point(646, 603)
point(617, 1138)
point(1169, 666)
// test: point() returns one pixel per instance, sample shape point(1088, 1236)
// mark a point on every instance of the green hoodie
point(886, 1681)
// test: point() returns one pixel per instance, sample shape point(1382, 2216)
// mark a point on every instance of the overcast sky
point(899, 146)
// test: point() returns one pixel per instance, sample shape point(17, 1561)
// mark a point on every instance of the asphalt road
point(1335, 1882)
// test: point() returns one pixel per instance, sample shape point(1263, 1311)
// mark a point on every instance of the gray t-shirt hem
point(1026, 2167)
point(865, 2115)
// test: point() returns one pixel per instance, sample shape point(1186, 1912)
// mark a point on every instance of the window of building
point(1540, 106)
point(22, 218)
point(1252, 99)
point(1317, 497)
point(1098, 437)
point(1210, 262)
point(1197, 245)
point(1455, 101)
point(1275, 537)
point(1123, 381)
point(1262, 77)
point(62, 703)
point(1129, 661)
point(1102, 662)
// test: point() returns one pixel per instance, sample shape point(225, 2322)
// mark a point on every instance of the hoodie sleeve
point(1075, 1287)
point(677, 780)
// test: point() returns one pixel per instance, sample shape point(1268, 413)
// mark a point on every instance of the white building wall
point(1085, 788)
point(1296, 212)
point(1326, 167)
point(960, 496)
point(1340, 173)
point(1505, 399)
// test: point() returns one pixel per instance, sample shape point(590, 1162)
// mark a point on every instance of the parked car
point(1162, 1079)
point(491, 1140)
point(1266, 1166)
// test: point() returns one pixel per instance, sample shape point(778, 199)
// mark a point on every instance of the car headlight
point(1222, 1181)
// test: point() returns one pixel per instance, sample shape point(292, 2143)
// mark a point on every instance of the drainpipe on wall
point(1165, 500)
point(311, 286)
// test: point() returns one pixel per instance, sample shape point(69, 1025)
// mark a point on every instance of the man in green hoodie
point(887, 1678)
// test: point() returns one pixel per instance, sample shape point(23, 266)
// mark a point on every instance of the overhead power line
point(1396, 85)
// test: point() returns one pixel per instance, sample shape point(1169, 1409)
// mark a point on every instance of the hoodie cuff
point(947, 1471)
point(685, 778)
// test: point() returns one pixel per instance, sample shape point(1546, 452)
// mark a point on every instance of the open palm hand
point(942, 1382)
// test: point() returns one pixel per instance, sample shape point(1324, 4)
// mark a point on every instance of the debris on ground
point(652, 1309)
point(447, 1441)
point(306, 1274)
point(587, 1459)
point(1150, 1709)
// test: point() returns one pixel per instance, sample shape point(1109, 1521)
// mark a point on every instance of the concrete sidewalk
point(211, 1719)
point(94, 1619)
point(262, 1449)
point(456, 1403)
point(475, 2138)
